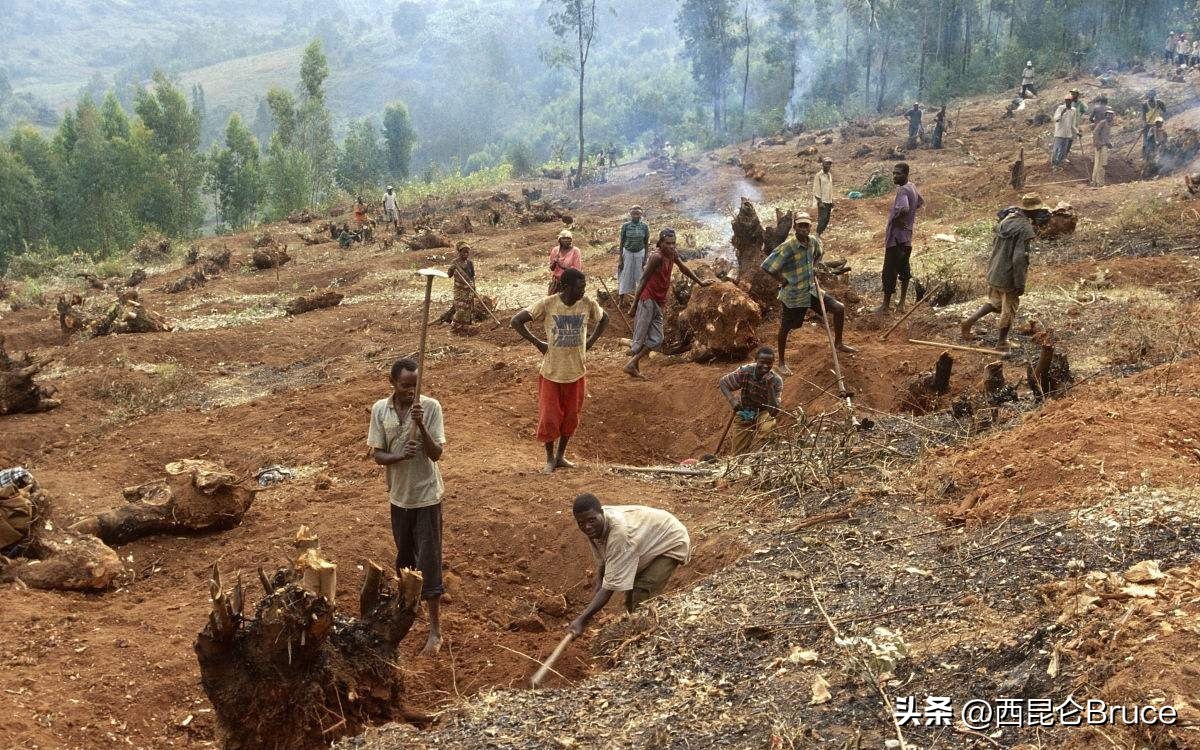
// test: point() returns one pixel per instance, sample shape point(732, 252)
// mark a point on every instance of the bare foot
point(1003, 345)
point(881, 310)
point(432, 645)
point(965, 329)
point(564, 464)
point(783, 370)
point(846, 348)
point(632, 370)
point(549, 467)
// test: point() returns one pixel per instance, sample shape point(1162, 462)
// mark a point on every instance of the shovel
point(430, 274)
point(548, 665)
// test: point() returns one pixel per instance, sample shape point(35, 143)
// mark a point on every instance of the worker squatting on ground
point(897, 253)
point(1066, 125)
point(651, 297)
point(1102, 143)
point(563, 255)
point(407, 438)
point(462, 270)
point(792, 264)
point(757, 404)
point(633, 244)
point(823, 194)
point(391, 212)
point(636, 549)
point(914, 124)
point(1007, 269)
point(573, 324)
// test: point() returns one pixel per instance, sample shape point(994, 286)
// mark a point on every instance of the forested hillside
point(495, 84)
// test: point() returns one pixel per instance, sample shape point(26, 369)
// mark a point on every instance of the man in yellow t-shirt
point(568, 317)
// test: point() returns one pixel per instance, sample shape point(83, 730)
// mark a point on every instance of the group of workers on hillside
point(636, 549)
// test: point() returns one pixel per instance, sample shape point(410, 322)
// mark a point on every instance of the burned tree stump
point(35, 553)
point(428, 240)
point(297, 674)
point(195, 497)
point(995, 390)
point(753, 241)
point(269, 257)
point(721, 319)
point(924, 392)
point(1017, 172)
point(301, 305)
point(136, 277)
point(18, 391)
point(1051, 372)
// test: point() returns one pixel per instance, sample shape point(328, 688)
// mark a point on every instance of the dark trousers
point(823, 211)
point(418, 536)
point(896, 265)
point(1028, 89)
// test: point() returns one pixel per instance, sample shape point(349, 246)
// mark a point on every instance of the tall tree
point(23, 217)
point(361, 158)
point(399, 139)
point(173, 205)
point(282, 106)
point(576, 19)
point(314, 134)
point(235, 174)
point(708, 43)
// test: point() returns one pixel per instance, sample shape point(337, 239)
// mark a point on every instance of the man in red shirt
point(651, 296)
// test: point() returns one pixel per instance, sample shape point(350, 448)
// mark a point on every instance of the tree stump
point(753, 242)
point(722, 319)
point(1051, 372)
point(18, 391)
point(923, 393)
point(43, 557)
point(269, 257)
point(188, 281)
point(297, 674)
point(301, 305)
point(215, 262)
point(1017, 172)
point(195, 497)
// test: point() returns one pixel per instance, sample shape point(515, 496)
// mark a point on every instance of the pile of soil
point(1097, 440)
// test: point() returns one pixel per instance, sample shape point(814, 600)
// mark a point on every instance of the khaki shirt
point(637, 535)
point(415, 482)
point(823, 187)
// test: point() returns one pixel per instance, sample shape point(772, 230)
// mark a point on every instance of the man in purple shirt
point(898, 238)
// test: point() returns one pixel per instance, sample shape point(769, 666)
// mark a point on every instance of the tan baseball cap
point(802, 218)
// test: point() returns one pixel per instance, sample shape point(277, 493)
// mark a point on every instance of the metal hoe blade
point(434, 272)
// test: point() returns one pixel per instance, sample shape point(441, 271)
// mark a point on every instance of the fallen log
point(18, 391)
point(296, 674)
point(301, 305)
point(195, 497)
point(820, 518)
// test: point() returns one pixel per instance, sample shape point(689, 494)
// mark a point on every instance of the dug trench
point(517, 568)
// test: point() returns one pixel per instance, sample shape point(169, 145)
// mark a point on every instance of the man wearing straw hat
point(563, 255)
point(1007, 269)
point(633, 244)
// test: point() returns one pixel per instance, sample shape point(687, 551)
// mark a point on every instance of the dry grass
point(171, 386)
point(1152, 332)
